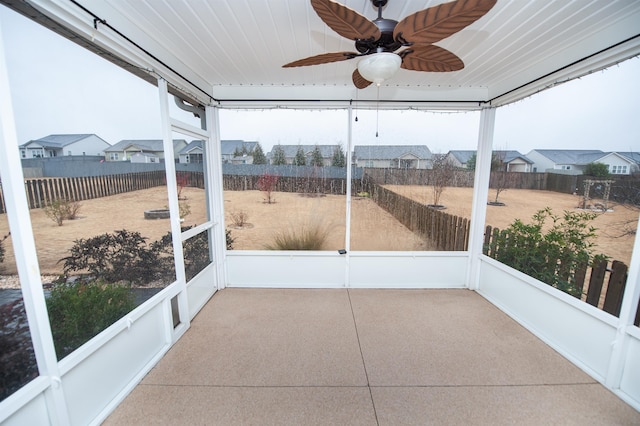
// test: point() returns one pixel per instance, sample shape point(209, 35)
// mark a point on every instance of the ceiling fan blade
point(359, 81)
point(345, 21)
point(439, 22)
point(431, 58)
point(324, 58)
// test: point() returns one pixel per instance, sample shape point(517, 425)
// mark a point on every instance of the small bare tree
point(267, 184)
point(442, 174)
point(499, 175)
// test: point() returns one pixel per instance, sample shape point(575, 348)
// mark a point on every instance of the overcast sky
point(58, 87)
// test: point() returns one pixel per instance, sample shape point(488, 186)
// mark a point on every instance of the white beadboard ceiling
point(233, 51)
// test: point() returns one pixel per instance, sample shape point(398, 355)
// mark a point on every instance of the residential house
point(621, 163)
point(60, 145)
point(392, 156)
point(512, 161)
point(237, 151)
point(574, 161)
point(635, 160)
point(290, 151)
point(127, 148)
point(192, 153)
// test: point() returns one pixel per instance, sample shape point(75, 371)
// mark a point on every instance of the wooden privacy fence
point(601, 285)
point(460, 178)
point(299, 184)
point(446, 231)
point(41, 192)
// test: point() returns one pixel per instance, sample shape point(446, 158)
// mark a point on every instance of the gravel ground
point(13, 281)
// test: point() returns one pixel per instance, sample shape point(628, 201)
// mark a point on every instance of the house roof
point(196, 144)
point(506, 156)
point(390, 152)
point(153, 145)
point(462, 156)
point(632, 156)
point(327, 151)
point(232, 54)
point(59, 141)
point(229, 147)
point(571, 156)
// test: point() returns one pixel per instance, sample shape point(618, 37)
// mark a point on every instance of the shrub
point(599, 170)
point(123, 255)
point(185, 210)
point(240, 218)
point(2, 247)
point(60, 210)
point(17, 359)
point(552, 256)
point(230, 240)
point(196, 254)
point(79, 311)
point(310, 237)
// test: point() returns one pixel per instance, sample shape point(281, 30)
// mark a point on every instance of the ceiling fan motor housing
point(385, 43)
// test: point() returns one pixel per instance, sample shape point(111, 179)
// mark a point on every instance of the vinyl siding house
point(230, 148)
point(192, 153)
point(290, 151)
point(574, 161)
point(392, 156)
point(621, 163)
point(513, 161)
point(60, 145)
point(126, 149)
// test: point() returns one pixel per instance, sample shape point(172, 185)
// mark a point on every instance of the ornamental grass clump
point(308, 237)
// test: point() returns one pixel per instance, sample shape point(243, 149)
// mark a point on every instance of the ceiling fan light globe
point(379, 67)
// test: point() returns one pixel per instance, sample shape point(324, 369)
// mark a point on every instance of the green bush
point(309, 237)
point(600, 170)
point(195, 251)
point(551, 256)
point(123, 255)
point(79, 311)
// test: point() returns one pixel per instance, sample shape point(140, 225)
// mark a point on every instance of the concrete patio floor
point(364, 357)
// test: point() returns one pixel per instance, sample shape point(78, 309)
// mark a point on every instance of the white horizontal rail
point(188, 129)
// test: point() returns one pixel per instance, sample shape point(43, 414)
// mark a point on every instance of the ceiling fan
point(387, 45)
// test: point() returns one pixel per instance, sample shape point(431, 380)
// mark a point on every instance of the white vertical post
point(216, 195)
point(627, 316)
point(480, 195)
point(174, 209)
point(25, 252)
point(347, 234)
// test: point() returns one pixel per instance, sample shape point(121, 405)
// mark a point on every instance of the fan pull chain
point(377, 110)
point(357, 90)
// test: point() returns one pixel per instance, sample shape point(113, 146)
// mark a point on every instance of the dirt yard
point(372, 227)
point(615, 229)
